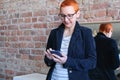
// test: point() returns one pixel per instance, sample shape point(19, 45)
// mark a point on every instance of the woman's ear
point(78, 13)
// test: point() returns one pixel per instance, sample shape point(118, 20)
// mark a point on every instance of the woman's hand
point(59, 59)
point(55, 57)
point(48, 54)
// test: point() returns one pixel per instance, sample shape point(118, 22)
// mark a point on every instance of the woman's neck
point(68, 31)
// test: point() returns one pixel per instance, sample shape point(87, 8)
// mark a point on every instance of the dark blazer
point(81, 52)
point(107, 58)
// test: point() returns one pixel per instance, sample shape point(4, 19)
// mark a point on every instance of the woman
point(75, 43)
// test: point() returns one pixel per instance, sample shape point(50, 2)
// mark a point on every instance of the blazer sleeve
point(89, 61)
point(50, 43)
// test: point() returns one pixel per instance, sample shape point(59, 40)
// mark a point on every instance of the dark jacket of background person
point(81, 52)
point(107, 58)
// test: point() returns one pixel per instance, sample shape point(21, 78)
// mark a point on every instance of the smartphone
point(56, 52)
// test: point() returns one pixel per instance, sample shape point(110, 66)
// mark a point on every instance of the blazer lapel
point(76, 36)
point(59, 36)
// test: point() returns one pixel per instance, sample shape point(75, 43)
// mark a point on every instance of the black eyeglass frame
point(69, 16)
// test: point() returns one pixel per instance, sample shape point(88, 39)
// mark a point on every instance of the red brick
point(2, 60)
point(53, 25)
point(1, 6)
point(36, 58)
point(24, 56)
point(27, 14)
point(112, 12)
point(28, 20)
point(34, 19)
point(102, 5)
point(52, 3)
point(20, 32)
point(1, 1)
point(12, 50)
point(13, 38)
point(43, 25)
point(2, 22)
point(42, 19)
point(9, 72)
point(22, 45)
point(88, 15)
point(13, 27)
point(40, 38)
point(2, 38)
point(25, 26)
point(41, 12)
point(20, 21)
point(24, 51)
point(25, 38)
point(14, 21)
point(100, 13)
point(2, 28)
point(2, 33)
point(28, 32)
point(2, 17)
point(7, 44)
point(37, 45)
point(40, 45)
point(13, 33)
point(37, 52)
point(30, 45)
point(54, 11)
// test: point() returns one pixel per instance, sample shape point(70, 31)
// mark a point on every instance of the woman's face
point(68, 16)
point(109, 34)
point(109, 31)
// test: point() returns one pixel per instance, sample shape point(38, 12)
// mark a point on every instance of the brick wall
point(25, 26)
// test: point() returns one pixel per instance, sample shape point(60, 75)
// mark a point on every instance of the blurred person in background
point(107, 54)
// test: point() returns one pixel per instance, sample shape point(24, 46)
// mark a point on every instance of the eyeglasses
point(69, 16)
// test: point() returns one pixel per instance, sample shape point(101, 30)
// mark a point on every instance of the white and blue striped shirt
point(59, 72)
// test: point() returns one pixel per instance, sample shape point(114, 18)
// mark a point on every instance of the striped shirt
point(59, 72)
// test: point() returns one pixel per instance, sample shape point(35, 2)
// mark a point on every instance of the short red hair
point(72, 3)
point(105, 27)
